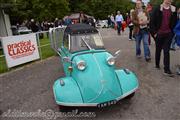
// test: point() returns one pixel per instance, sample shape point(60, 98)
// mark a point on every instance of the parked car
point(91, 78)
point(24, 30)
point(102, 24)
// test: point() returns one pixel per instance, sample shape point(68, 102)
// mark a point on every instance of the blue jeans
point(119, 25)
point(142, 35)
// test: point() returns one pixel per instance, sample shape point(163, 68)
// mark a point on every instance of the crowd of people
point(36, 26)
point(162, 23)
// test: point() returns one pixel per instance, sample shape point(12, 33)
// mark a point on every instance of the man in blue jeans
point(140, 20)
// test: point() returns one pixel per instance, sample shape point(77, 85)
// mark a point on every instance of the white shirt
point(112, 18)
point(119, 18)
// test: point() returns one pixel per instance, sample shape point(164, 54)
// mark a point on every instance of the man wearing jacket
point(140, 19)
point(163, 20)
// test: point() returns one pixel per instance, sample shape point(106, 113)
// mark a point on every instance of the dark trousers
point(163, 42)
point(130, 31)
point(119, 25)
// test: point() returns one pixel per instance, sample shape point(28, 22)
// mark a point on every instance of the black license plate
point(105, 104)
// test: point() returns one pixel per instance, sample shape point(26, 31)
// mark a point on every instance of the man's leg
point(138, 44)
point(159, 44)
point(146, 45)
point(166, 48)
point(130, 32)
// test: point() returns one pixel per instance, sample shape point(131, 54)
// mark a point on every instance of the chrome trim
point(94, 104)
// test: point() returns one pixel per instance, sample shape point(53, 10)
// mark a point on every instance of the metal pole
point(39, 45)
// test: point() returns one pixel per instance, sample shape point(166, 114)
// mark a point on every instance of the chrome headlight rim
point(81, 65)
point(111, 61)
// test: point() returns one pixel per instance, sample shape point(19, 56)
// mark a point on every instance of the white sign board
point(20, 49)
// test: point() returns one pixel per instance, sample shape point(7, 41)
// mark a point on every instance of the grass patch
point(3, 66)
point(1, 52)
point(47, 51)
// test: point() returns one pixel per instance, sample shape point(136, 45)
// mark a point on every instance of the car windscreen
point(93, 40)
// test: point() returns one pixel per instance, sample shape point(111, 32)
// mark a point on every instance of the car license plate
point(112, 102)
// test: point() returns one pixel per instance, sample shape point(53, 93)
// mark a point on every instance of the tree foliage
point(50, 9)
point(38, 9)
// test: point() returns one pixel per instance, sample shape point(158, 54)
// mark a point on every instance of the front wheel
point(66, 109)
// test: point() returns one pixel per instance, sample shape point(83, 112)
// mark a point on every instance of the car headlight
point(111, 61)
point(81, 65)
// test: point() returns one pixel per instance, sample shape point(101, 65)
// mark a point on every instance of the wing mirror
point(116, 54)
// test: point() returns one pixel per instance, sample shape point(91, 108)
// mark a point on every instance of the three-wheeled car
point(91, 76)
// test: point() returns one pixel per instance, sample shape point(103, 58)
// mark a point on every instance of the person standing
point(56, 22)
point(177, 39)
point(140, 19)
point(112, 21)
point(130, 24)
point(149, 9)
point(33, 26)
point(162, 31)
point(119, 19)
point(109, 21)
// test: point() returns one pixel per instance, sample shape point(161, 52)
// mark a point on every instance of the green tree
point(39, 9)
point(100, 8)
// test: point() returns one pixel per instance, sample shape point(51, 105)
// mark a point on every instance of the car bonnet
point(98, 82)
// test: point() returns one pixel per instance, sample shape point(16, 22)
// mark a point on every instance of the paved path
point(30, 89)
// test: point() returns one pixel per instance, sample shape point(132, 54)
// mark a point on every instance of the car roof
point(80, 28)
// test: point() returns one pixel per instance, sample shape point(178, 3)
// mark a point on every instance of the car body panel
point(128, 80)
point(98, 78)
point(68, 93)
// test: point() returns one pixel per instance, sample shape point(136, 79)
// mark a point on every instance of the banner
point(20, 49)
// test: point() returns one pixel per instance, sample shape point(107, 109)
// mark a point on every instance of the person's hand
point(143, 22)
point(155, 35)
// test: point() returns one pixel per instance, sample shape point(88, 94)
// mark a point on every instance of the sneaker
point(178, 71)
point(130, 39)
point(173, 49)
point(148, 59)
point(168, 73)
point(158, 67)
point(138, 56)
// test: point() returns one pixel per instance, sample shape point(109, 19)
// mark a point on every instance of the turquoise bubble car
point(91, 78)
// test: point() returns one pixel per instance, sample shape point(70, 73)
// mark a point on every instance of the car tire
point(130, 96)
point(65, 108)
